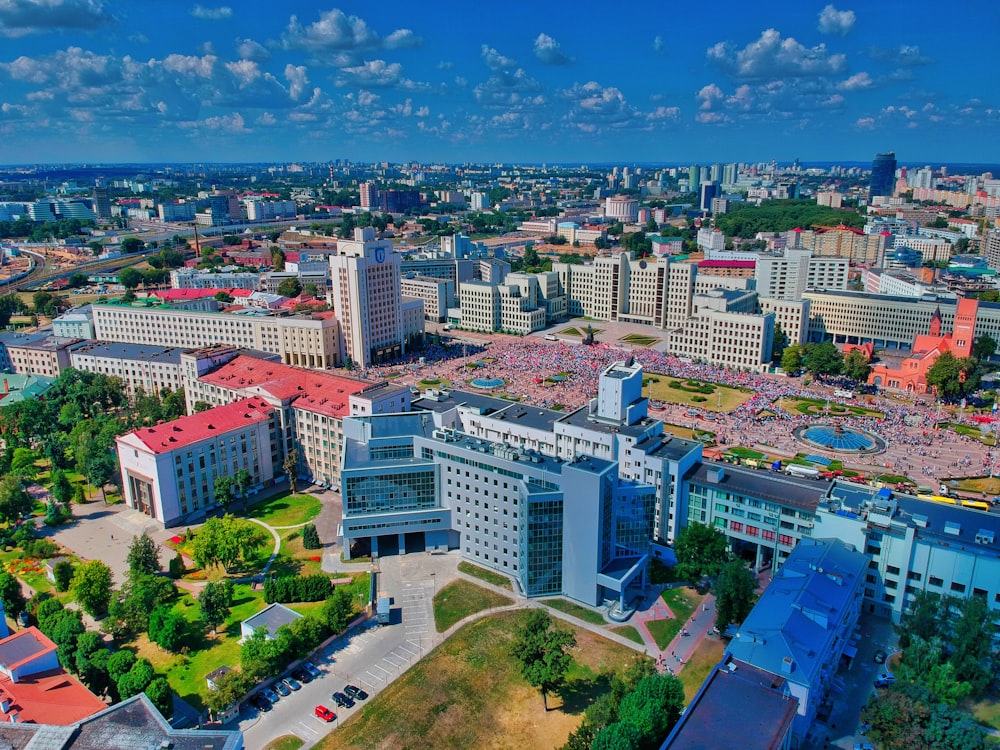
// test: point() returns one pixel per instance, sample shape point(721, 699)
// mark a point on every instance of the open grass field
point(818, 407)
point(448, 700)
point(721, 399)
point(989, 485)
point(288, 742)
point(702, 661)
point(682, 602)
point(484, 574)
point(575, 610)
point(985, 435)
point(637, 339)
point(628, 632)
point(459, 599)
point(286, 509)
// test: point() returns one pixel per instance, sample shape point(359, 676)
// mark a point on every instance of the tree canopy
point(543, 652)
point(701, 551)
point(227, 541)
point(735, 592)
point(953, 376)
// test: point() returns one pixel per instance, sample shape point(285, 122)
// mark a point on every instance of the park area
point(696, 393)
point(445, 700)
point(825, 408)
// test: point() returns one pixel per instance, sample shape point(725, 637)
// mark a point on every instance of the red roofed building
point(310, 404)
point(180, 295)
point(35, 689)
point(169, 470)
point(741, 269)
point(911, 374)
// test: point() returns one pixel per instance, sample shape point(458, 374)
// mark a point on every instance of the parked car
point(311, 669)
point(342, 700)
point(302, 676)
point(260, 702)
point(880, 656)
point(356, 693)
point(282, 688)
point(325, 713)
point(292, 683)
point(270, 695)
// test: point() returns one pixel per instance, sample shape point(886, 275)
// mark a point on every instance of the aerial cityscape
point(537, 376)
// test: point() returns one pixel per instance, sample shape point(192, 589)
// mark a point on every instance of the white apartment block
point(789, 275)
point(169, 470)
point(260, 210)
point(151, 368)
point(77, 323)
point(711, 239)
point(723, 330)
point(47, 356)
point(930, 248)
point(511, 307)
point(366, 297)
point(194, 278)
point(791, 315)
point(307, 340)
point(437, 294)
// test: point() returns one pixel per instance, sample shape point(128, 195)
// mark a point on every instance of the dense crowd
point(565, 376)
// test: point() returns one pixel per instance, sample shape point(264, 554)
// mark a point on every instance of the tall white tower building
point(366, 298)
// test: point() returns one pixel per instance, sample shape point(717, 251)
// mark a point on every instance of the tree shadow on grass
point(577, 695)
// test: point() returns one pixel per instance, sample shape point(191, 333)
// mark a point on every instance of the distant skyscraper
point(694, 178)
point(883, 175)
point(369, 195)
point(709, 191)
point(102, 202)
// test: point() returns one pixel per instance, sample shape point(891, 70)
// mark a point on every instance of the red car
point(325, 713)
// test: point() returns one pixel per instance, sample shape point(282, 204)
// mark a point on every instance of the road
point(371, 657)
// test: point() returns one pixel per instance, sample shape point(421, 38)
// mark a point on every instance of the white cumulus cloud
point(833, 21)
point(549, 51)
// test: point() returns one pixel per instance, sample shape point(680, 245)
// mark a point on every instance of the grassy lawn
point(448, 703)
point(286, 509)
point(985, 711)
point(989, 485)
point(485, 575)
point(817, 407)
point(459, 599)
point(984, 435)
point(657, 387)
point(688, 433)
point(639, 340)
point(288, 742)
point(682, 602)
point(629, 632)
point(293, 558)
point(741, 452)
point(571, 608)
point(702, 661)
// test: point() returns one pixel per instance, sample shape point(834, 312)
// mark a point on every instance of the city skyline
point(91, 80)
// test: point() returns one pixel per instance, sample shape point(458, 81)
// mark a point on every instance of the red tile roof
point(312, 390)
point(197, 427)
point(727, 264)
point(172, 295)
point(52, 697)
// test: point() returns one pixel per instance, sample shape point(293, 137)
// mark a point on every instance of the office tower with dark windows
point(883, 175)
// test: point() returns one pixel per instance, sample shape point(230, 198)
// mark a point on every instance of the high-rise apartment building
point(366, 298)
point(883, 175)
point(102, 202)
point(694, 178)
point(369, 195)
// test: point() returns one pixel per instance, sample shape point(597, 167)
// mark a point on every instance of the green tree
point(215, 600)
point(229, 690)
point(701, 551)
point(259, 657)
point(310, 288)
point(653, 707)
point(130, 278)
point(618, 736)
point(290, 288)
point(23, 463)
point(65, 633)
point(62, 488)
point(823, 359)
point(132, 245)
point(120, 663)
point(735, 593)
point(62, 571)
point(222, 490)
point(136, 680)
point(242, 479)
point(310, 537)
point(91, 587)
point(46, 303)
point(159, 692)
point(984, 347)
point(952, 376)
point(11, 595)
point(971, 639)
point(856, 366)
point(291, 467)
point(779, 343)
point(167, 629)
point(143, 556)
point(278, 258)
point(543, 653)
point(227, 541)
point(338, 609)
point(791, 359)
point(15, 501)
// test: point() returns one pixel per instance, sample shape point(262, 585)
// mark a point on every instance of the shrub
point(310, 537)
point(699, 399)
point(63, 573)
point(175, 567)
point(314, 588)
point(40, 548)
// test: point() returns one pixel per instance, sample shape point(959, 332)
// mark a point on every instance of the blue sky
point(541, 81)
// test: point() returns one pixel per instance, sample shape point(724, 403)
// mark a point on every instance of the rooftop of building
point(668, 446)
point(50, 697)
point(442, 400)
point(765, 713)
point(177, 295)
point(17, 387)
point(799, 493)
point(194, 428)
point(312, 390)
point(584, 419)
point(23, 646)
point(727, 264)
point(133, 724)
point(143, 352)
point(791, 629)
point(18, 338)
point(272, 617)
